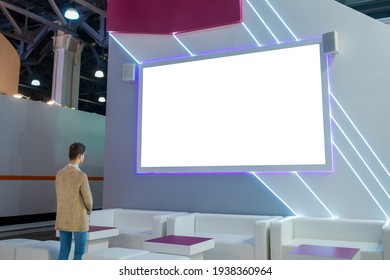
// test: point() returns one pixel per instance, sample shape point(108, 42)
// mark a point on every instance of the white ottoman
point(158, 256)
point(42, 250)
point(114, 253)
point(8, 247)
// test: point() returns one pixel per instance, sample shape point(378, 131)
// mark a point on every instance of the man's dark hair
point(76, 149)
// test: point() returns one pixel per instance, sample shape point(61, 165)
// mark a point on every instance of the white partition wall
point(358, 185)
point(34, 144)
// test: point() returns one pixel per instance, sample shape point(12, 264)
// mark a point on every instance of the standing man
point(74, 204)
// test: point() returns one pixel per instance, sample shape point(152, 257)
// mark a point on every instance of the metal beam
point(58, 12)
point(11, 20)
point(22, 38)
point(91, 7)
point(92, 32)
point(92, 80)
point(37, 39)
point(37, 18)
point(92, 102)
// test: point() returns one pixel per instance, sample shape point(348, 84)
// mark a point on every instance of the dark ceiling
point(31, 25)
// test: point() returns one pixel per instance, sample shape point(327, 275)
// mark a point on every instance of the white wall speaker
point(330, 43)
point(128, 72)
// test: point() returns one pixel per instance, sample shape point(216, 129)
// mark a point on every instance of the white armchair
point(372, 237)
point(135, 226)
point(237, 237)
point(386, 240)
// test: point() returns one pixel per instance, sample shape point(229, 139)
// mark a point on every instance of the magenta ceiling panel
point(170, 16)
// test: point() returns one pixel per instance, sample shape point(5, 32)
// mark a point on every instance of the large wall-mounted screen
point(266, 109)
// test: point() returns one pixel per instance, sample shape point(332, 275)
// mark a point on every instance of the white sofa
point(134, 225)
point(237, 237)
point(372, 237)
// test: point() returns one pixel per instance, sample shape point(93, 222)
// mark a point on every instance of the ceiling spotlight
point(99, 74)
point(18, 95)
point(102, 99)
point(71, 13)
point(35, 82)
point(50, 102)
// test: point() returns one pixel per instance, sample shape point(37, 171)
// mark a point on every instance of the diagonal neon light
point(123, 47)
point(280, 18)
point(182, 44)
point(360, 156)
point(261, 181)
point(361, 181)
point(269, 30)
point(250, 33)
point(361, 136)
point(319, 200)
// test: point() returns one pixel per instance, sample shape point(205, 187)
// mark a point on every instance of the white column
point(66, 69)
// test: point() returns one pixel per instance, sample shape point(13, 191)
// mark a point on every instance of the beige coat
point(74, 200)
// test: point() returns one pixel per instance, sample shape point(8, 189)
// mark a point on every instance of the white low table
point(316, 252)
point(98, 237)
point(190, 246)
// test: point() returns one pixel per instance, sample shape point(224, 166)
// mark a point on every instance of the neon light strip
point(330, 111)
point(181, 43)
point(261, 181)
point(319, 200)
point(357, 152)
point(124, 48)
point(369, 147)
point(361, 181)
point(276, 13)
point(269, 30)
point(250, 33)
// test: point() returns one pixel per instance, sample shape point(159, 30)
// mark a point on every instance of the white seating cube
point(113, 253)
point(158, 256)
point(8, 247)
point(116, 253)
point(42, 250)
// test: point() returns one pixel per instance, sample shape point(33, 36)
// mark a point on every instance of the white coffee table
point(98, 237)
point(190, 246)
point(317, 252)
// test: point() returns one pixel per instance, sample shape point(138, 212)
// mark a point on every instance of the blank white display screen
point(257, 111)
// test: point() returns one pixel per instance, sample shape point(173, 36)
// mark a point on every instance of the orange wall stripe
point(38, 178)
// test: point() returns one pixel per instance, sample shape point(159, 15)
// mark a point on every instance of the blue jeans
point(80, 241)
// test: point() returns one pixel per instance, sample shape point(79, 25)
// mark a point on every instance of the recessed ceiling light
point(72, 14)
point(18, 95)
point(99, 74)
point(35, 82)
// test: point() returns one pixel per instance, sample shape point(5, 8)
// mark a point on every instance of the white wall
point(34, 141)
point(234, 193)
point(360, 183)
